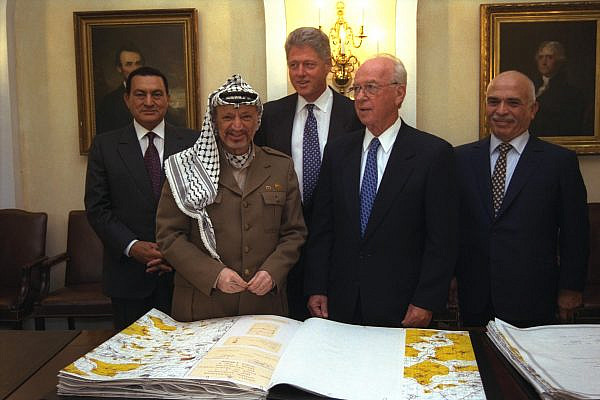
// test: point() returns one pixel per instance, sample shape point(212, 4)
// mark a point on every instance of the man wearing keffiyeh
point(230, 220)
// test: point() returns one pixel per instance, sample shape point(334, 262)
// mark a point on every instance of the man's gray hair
point(557, 49)
point(311, 37)
point(399, 72)
point(525, 79)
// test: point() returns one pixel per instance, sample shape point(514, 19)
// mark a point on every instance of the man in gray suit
point(123, 183)
point(287, 125)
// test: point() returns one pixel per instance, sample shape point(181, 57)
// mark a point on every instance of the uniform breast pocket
point(272, 208)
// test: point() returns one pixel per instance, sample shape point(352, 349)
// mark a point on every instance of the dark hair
point(146, 71)
point(127, 47)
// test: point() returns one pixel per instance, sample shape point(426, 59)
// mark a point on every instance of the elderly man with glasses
point(384, 237)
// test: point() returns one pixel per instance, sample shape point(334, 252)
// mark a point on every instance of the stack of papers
point(560, 361)
point(244, 357)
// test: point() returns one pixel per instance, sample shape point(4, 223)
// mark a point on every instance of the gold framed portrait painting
point(110, 44)
point(557, 46)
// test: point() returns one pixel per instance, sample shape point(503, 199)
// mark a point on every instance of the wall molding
point(10, 182)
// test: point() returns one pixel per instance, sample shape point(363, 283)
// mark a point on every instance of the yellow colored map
point(151, 347)
point(441, 364)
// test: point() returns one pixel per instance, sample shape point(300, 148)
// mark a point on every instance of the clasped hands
point(230, 282)
point(147, 253)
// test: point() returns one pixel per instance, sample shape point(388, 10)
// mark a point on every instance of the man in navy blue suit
point(284, 120)
point(524, 238)
point(383, 237)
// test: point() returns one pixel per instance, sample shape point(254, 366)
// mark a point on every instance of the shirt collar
point(386, 139)
point(140, 131)
point(545, 80)
point(321, 103)
point(517, 143)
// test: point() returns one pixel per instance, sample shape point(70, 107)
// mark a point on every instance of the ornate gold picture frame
point(517, 36)
point(164, 39)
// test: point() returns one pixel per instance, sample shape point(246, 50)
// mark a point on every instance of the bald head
point(517, 79)
point(377, 107)
point(510, 105)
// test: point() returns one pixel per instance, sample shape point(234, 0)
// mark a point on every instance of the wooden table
point(41, 384)
point(35, 377)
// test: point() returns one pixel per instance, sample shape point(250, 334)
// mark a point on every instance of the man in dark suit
point(384, 234)
point(285, 124)
point(112, 111)
point(123, 183)
point(561, 105)
point(524, 224)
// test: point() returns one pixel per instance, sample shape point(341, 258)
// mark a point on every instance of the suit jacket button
point(247, 272)
point(245, 204)
point(246, 227)
point(246, 249)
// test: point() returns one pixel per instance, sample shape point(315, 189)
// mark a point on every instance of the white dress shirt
point(512, 157)
point(322, 111)
point(159, 139)
point(386, 140)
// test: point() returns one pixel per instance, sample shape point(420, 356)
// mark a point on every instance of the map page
point(559, 360)
point(243, 357)
point(357, 362)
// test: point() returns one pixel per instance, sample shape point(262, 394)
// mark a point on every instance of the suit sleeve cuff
point(129, 246)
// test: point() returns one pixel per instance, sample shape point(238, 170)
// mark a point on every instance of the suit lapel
point(172, 141)
point(481, 168)
point(131, 154)
point(258, 173)
point(226, 178)
point(336, 121)
point(528, 163)
point(287, 124)
point(172, 145)
point(351, 181)
point(397, 171)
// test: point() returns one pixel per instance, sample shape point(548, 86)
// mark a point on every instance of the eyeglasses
point(369, 89)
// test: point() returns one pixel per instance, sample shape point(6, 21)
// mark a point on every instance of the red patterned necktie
point(152, 161)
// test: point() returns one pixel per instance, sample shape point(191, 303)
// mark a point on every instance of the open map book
point(243, 357)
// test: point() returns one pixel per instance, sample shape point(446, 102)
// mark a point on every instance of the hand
point(230, 282)
point(317, 306)
point(261, 283)
point(145, 252)
point(416, 317)
point(567, 301)
point(158, 265)
point(453, 292)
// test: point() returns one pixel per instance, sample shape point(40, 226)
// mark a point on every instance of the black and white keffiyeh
point(193, 174)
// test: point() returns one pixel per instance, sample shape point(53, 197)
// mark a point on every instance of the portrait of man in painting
point(119, 50)
point(560, 58)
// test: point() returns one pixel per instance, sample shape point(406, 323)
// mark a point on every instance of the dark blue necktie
point(152, 162)
point(311, 155)
point(368, 189)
